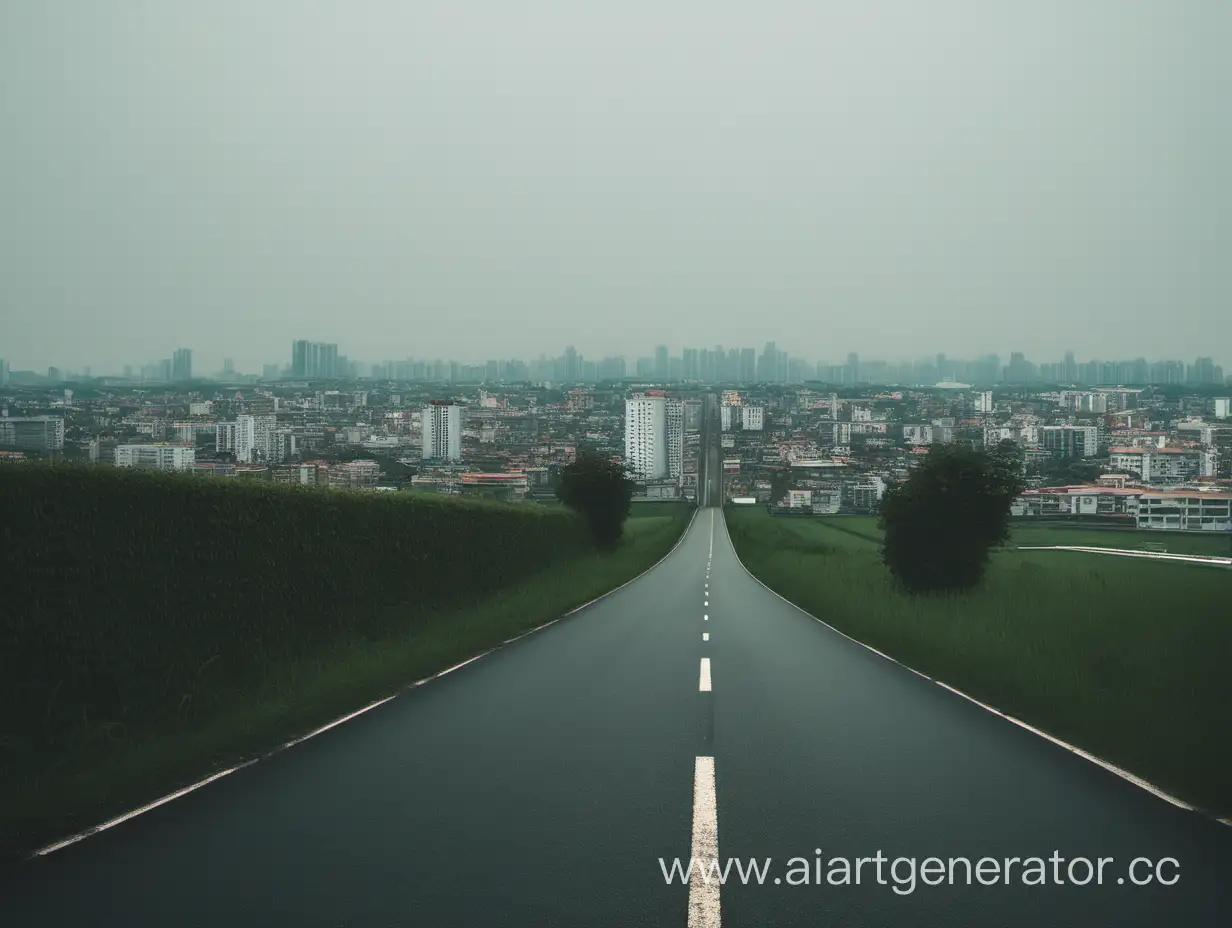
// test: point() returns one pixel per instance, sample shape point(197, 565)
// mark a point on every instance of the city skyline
point(172, 178)
point(769, 363)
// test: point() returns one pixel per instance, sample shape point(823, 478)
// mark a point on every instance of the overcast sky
point(485, 178)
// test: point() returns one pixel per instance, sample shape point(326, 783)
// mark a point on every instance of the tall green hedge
point(126, 595)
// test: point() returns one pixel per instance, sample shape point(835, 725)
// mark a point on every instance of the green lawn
point(860, 530)
point(127, 769)
point(1124, 657)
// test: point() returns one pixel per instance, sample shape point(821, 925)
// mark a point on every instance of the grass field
point(1124, 657)
point(1029, 535)
point(119, 767)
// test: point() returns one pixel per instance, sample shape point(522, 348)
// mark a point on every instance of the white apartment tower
point(646, 445)
point(255, 438)
point(442, 431)
point(675, 438)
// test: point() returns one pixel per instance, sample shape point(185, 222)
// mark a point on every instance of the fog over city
point(493, 179)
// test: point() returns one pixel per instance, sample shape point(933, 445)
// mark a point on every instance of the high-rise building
point(646, 451)
point(181, 364)
point(315, 360)
point(675, 437)
point(442, 431)
point(255, 439)
point(661, 367)
point(853, 367)
point(691, 368)
point(4, 373)
point(573, 365)
point(983, 402)
point(748, 365)
point(767, 364)
point(1071, 441)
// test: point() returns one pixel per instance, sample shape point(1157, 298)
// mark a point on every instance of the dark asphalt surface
point(541, 785)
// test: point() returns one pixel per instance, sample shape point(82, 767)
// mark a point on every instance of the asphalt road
point(542, 784)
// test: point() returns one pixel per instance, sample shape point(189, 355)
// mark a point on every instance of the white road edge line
point(1111, 768)
point(703, 682)
point(148, 807)
point(704, 886)
point(1123, 552)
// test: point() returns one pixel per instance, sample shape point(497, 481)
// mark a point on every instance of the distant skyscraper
point(660, 362)
point(315, 360)
point(4, 373)
point(572, 365)
point(646, 436)
point(853, 366)
point(442, 431)
point(181, 364)
point(748, 365)
point(692, 368)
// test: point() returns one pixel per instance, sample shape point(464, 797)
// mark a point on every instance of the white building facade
point(442, 432)
point(646, 446)
point(159, 456)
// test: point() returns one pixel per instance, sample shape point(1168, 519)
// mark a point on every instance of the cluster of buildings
point(1159, 457)
point(310, 360)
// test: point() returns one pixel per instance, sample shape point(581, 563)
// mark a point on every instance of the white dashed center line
point(705, 636)
point(704, 893)
point(703, 685)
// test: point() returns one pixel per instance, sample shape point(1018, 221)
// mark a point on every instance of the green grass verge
point(119, 769)
point(1044, 534)
point(1124, 657)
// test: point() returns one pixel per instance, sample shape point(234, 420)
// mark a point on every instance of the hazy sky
point(492, 178)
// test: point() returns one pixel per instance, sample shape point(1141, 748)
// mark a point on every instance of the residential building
point(442, 431)
point(157, 455)
point(315, 360)
point(181, 364)
point(32, 433)
point(224, 437)
point(674, 418)
point(834, 434)
point(1223, 407)
point(1163, 465)
point(255, 439)
point(354, 475)
point(508, 487)
point(646, 445)
point(983, 403)
point(299, 474)
point(1070, 441)
point(1186, 511)
point(752, 418)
